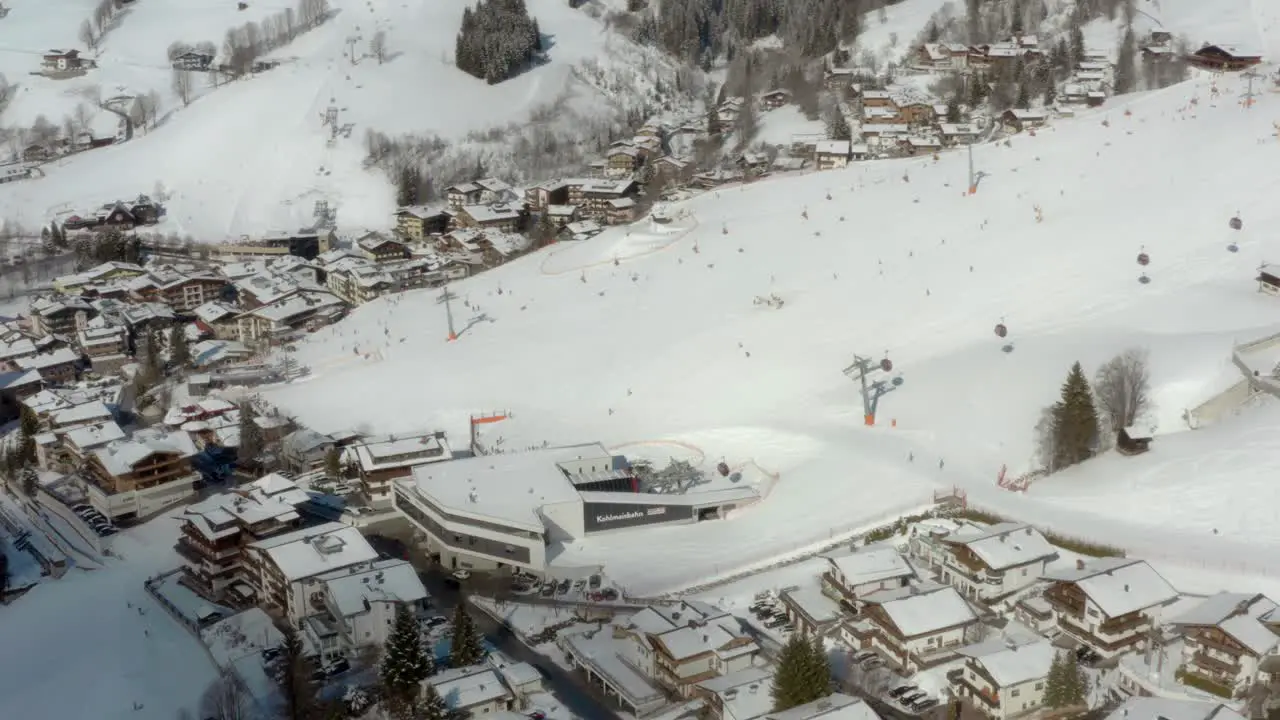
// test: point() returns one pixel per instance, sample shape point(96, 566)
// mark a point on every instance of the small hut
point(1269, 279)
point(1133, 440)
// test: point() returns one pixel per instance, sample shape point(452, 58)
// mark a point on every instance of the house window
point(1039, 686)
point(1015, 692)
point(1093, 613)
point(1024, 572)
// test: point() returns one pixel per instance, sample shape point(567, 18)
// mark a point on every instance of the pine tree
point(30, 481)
point(28, 429)
point(1126, 55)
point(408, 186)
point(713, 121)
point(404, 662)
point(465, 646)
point(179, 352)
point(251, 444)
point(1076, 39)
point(1075, 421)
point(433, 706)
point(1054, 692)
point(333, 463)
point(802, 675)
point(296, 686)
point(1015, 19)
point(1074, 682)
point(953, 112)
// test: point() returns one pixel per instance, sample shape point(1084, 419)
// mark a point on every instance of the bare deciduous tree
point(1123, 388)
point(88, 36)
point(82, 117)
point(182, 85)
point(378, 46)
point(226, 699)
point(1046, 446)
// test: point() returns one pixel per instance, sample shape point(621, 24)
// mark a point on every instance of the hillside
point(635, 336)
point(251, 155)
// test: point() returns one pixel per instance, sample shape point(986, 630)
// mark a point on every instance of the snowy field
point(85, 632)
point(635, 336)
point(251, 156)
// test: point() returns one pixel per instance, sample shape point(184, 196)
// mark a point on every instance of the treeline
point(498, 40)
point(95, 27)
point(243, 45)
point(699, 31)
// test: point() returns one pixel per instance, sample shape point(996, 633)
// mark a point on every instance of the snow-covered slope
point(252, 156)
point(636, 336)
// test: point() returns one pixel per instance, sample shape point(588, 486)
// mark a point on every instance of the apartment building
point(383, 460)
point(56, 367)
point(216, 530)
point(356, 606)
point(286, 570)
point(1004, 678)
point(989, 563)
point(131, 479)
point(853, 575)
point(675, 649)
point(836, 706)
point(742, 695)
point(1230, 640)
point(913, 628)
point(1105, 603)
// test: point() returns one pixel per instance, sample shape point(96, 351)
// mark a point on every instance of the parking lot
point(96, 521)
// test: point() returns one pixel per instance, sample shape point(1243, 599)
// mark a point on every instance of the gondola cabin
point(1133, 441)
point(1269, 279)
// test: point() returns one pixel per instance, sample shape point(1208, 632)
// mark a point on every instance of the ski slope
point(636, 336)
point(78, 648)
point(251, 156)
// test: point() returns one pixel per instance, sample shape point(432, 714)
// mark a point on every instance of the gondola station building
point(503, 510)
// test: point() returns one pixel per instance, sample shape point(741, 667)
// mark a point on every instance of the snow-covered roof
point(90, 411)
point(271, 497)
point(393, 581)
point(600, 652)
point(837, 706)
point(869, 565)
point(317, 550)
point(920, 610)
point(467, 687)
point(833, 147)
point(1011, 662)
point(1240, 615)
point(1157, 708)
point(812, 602)
point(213, 311)
point(1118, 586)
point(89, 437)
point(509, 488)
point(293, 306)
point(1004, 545)
point(497, 212)
point(120, 457)
point(405, 451)
point(61, 356)
point(745, 694)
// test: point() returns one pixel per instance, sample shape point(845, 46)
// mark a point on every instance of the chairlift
point(896, 381)
point(1001, 330)
point(1236, 223)
point(1144, 279)
point(1008, 348)
point(886, 365)
point(1144, 259)
point(1232, 247)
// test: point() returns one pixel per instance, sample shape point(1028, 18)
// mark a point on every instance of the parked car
point(80, 508)
point(609, 593)
point(579, 585)
point(863, 656)
point(872, 664)
point(913, 697)
point(925, 704)
point(548, 589)
point(563, 587)
point(595, 582)
point(337, 667)
point(902, 690)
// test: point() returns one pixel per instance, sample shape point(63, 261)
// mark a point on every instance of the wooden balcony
point(1066, 599)
point(1217, 667)
point(1107, 645)
point(968, 690)
point(1124, 624)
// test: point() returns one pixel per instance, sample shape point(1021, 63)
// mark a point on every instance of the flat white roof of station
point(507, 488)
point(710, 498)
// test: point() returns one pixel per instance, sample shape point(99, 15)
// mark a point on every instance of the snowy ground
point(251, 156)
point(85, 631)
point(669, 340)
